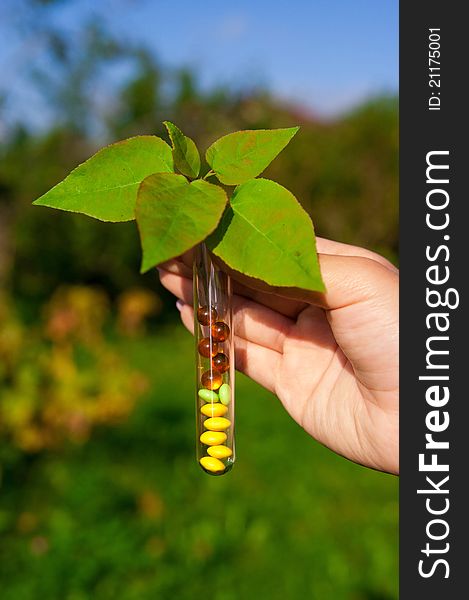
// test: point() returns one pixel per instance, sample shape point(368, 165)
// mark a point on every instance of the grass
point(130, 515)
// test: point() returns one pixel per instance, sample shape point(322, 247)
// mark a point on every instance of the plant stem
point(209, 174)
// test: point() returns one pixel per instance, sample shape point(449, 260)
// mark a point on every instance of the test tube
point(215, 371)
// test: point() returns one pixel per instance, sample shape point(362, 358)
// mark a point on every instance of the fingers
point(284, 306)
point(179, 285)
point(252, 321)
point(255, 361)
point(348, 280)
point(259, 324)
point(338, 249)
point(177, 266)
point(187, 315)
point(350, 275)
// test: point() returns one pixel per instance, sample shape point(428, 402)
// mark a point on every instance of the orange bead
point(207, 348)
point(221, 362)
point(211, 380)
point(206, 315)
point(220, 331)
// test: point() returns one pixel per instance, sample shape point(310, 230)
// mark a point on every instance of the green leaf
point(266, 234)
point(174, 215)
point(106, 185)
point(185, 153)
point(238, 157)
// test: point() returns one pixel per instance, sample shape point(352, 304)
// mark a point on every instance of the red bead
point(206, 315)
point(221, 362)
point(220, 331)
point(211, 380)
point(207, 348)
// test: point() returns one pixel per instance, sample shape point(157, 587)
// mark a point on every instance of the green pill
point(225, 394)
point(208, 395)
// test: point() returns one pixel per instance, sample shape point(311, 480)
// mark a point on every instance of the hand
point(332, 359)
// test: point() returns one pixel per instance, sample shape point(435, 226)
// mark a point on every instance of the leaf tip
point(171, 128)
point(322, 287)
point(293, 131)
point(42, 201)
point(145, 265)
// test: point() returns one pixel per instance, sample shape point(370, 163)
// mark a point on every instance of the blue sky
point(327, 55)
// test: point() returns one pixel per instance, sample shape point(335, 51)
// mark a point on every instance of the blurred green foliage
point(62, 377)
point(129, 514)
point(343, 172)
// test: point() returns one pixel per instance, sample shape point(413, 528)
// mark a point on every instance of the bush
point(61, 378)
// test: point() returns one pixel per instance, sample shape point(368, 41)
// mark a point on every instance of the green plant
point(261, 231)
point(62, 378)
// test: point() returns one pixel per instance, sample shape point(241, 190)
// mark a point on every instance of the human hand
point(332, 359)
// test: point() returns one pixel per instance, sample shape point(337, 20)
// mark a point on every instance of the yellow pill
point(217, 423)
point(213, 438)
point(214, 410)
point(219, 451)
point(212, 464)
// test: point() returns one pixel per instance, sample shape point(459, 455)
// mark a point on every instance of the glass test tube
point(214, 365)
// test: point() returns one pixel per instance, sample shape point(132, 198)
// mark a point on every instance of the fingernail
point(179, 305)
